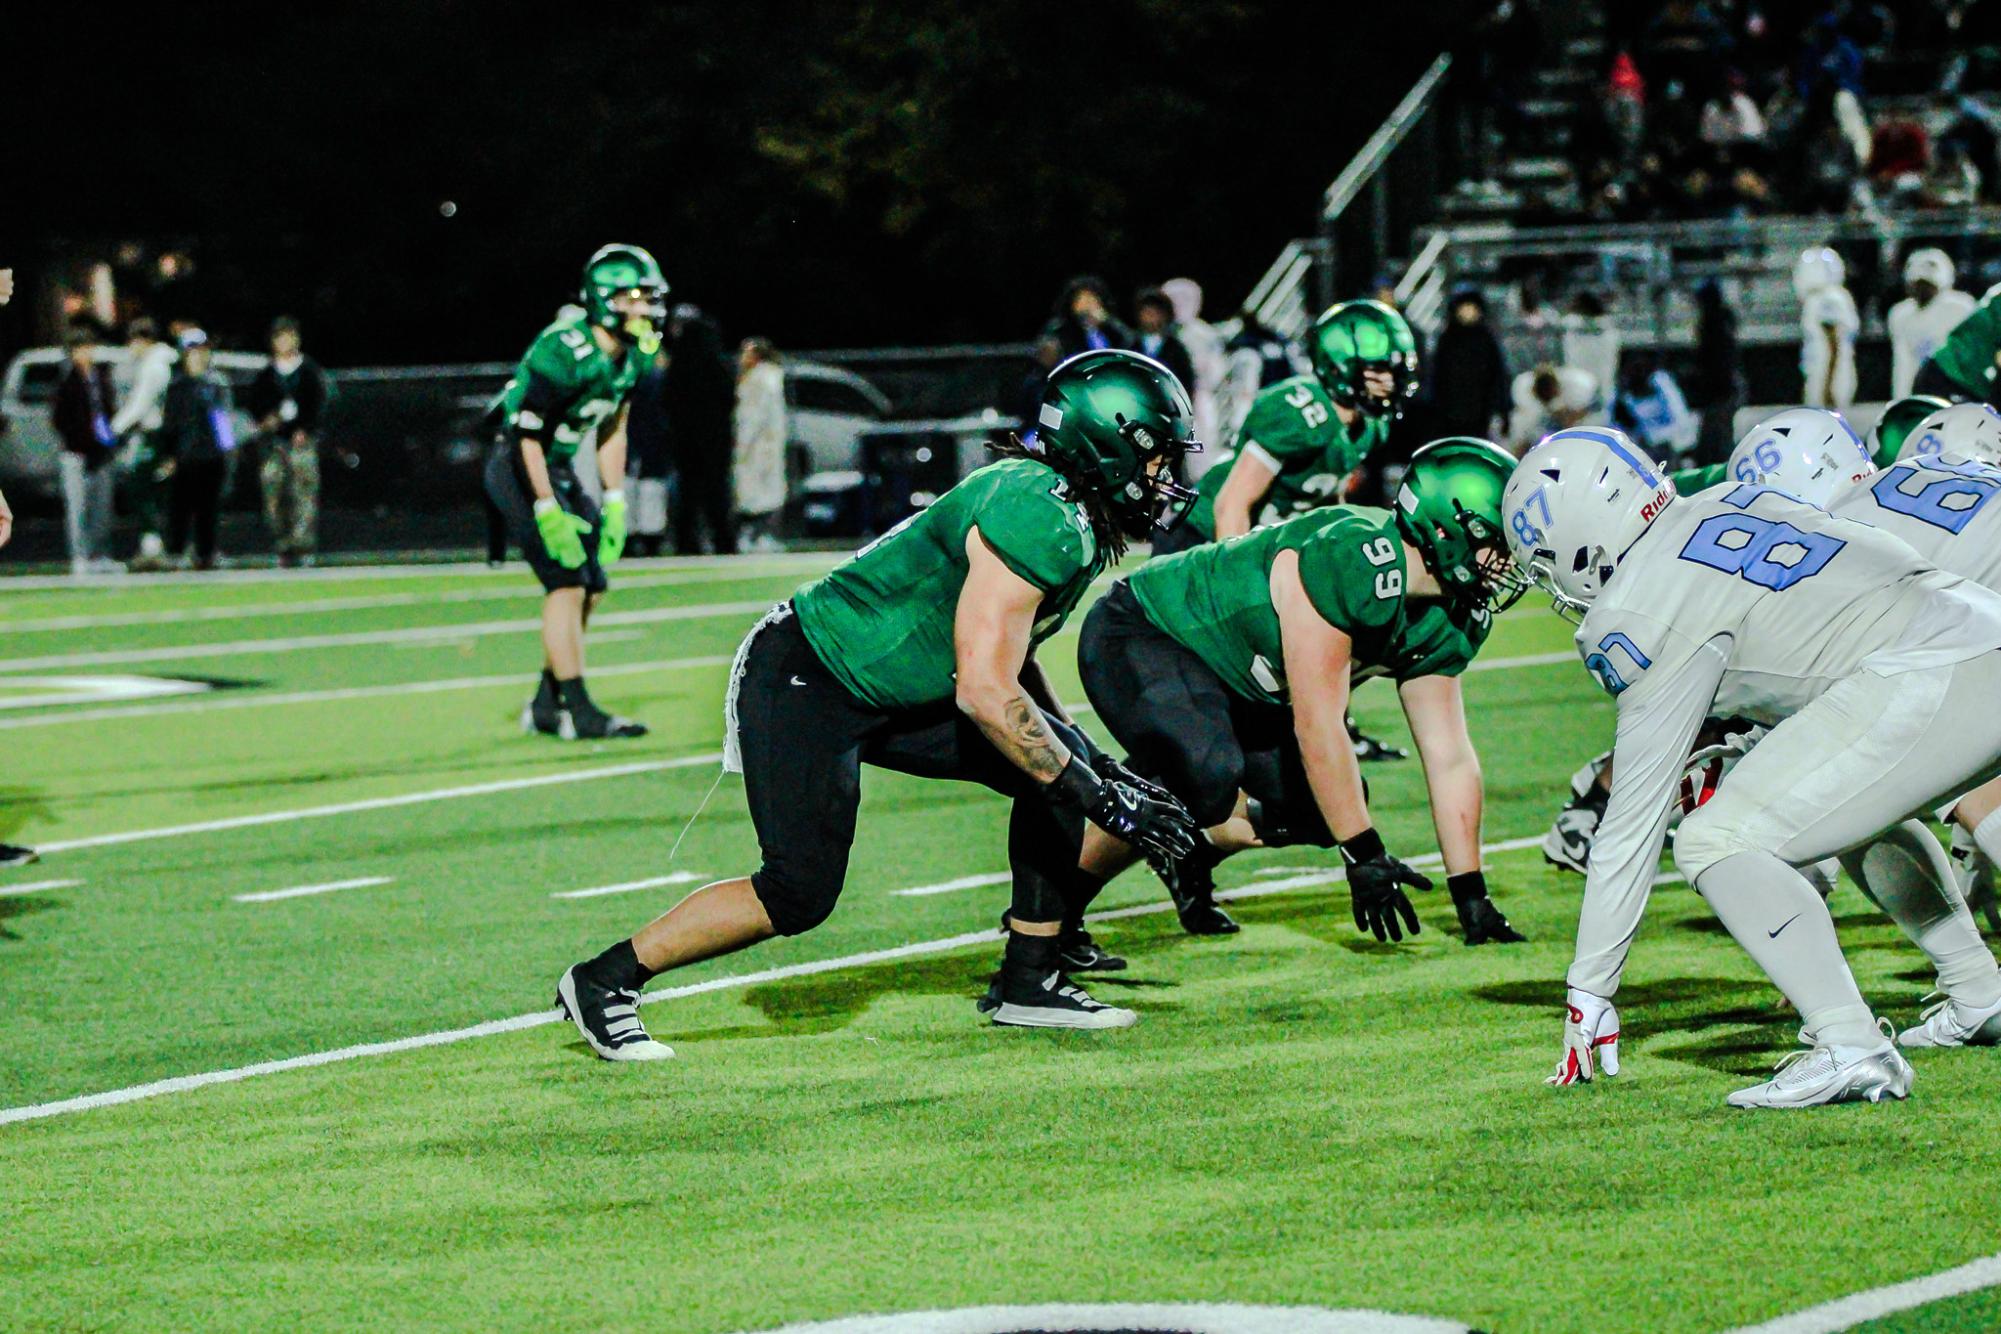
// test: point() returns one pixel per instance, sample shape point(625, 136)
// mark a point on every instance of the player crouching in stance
point(1225, 671)
point(575, 379)
point(1875, 670)
point(918, 655)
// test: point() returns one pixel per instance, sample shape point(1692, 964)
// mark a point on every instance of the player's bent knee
point(796, 901)
point(1706, 838)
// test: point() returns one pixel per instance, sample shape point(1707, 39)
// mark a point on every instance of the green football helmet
point(1449, 508)
point(1105, 417)
point(626, 270)
point(1899, 419)
point(1358, 336)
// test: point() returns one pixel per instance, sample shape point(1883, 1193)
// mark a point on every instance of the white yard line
point(538, 1018)
point(302, 891)
point(1874, 1304)
point(35, 887)
point(651, 882)
point(515, 570)
point(366, 638)
point(953, 886)
point(251, 699)
point(381, 803)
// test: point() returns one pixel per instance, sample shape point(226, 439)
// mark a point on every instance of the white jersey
point(1918, 331)
point(1941, 508)
point(1829, 309)
point(1739, 602)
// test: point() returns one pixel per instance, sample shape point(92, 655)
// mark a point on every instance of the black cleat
point(1191, 883)
point(1024, 999)
point(1368, 750)
point(1078, 953)
point(13, 855)
point(594, 724)
point(1567, 845)
point(608, 1017)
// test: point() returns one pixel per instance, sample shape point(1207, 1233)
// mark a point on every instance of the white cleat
point(1820, 1075)
point(1054, 1001)
point(608, 1019)
point(1951, 1024)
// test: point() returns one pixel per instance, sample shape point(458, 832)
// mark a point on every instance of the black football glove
point(1159, 827)
point(1374, 884)
point(1478, 917)
point(1109, 769)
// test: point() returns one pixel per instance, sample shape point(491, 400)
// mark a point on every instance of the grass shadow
point(22, 905)
point(19, 805)
point(1737, 1026)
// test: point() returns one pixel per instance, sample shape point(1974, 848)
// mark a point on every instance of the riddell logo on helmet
point(1657, 504)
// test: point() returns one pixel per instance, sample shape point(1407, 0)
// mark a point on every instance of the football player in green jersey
point(917, 655)
point(574, 380)
point(1225, 671)
point(1303, 436)
point(1896, 422)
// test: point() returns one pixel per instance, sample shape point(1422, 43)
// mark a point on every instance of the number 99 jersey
point(1941, 507)
point(1799, 599)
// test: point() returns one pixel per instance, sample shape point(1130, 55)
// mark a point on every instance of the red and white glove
point(1590, 1037)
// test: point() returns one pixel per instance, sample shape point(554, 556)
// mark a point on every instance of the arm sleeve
point(1658, 720)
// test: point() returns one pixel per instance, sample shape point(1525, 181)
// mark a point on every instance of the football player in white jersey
point(1875, 671)
point(1828, 325)
point(1919, 323)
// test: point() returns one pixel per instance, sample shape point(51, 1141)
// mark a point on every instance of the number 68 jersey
point(1774, 601)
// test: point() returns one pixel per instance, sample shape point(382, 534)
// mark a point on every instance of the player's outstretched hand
point(1376, 884)
point(1159, 827)
point(1481, 921)
point(1590, 1040)
point(611, 528)
point(561, 533)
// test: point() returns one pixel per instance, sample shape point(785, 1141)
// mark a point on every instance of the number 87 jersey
point(1793, 598)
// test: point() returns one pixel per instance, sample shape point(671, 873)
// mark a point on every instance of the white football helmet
point(1929, 265)
point(1964, 430)
point(1818, 268)
point(1575, 505)
point(1808, 453)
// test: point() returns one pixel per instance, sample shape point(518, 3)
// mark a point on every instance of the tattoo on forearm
point(1023, 736)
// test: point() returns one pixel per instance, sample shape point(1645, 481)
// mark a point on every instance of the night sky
point(827, 175)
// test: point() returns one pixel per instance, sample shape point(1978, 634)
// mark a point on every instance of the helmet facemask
point(1153, 497)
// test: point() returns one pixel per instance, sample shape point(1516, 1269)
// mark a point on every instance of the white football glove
point(1590, 1037)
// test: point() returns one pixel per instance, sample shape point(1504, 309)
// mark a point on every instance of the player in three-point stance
point(917, 655)
point(1875, 670)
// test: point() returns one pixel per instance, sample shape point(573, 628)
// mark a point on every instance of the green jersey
point(1216, 601)
point(1293, 429)
point(564, 387)
point(1688, 481)
point(882, 622)
point(1967, 357)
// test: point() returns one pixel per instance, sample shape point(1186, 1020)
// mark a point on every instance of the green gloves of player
point(560, 532)
point(611, 528)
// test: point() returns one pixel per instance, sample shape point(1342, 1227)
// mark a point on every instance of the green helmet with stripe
point(1105, 417)
point(1899, 419)
point(626, 271)
point(1449, 508)
point(1356, 337)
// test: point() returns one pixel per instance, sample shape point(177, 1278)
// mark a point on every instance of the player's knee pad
point(1712, 833)
point(799, 893)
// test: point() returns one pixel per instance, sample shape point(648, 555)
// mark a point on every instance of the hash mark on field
point(651, 882)
point(36, 887)
point(951, 886)
point(1875, 1303)
point(301, 891)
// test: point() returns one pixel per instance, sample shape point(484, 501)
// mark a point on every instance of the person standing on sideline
point(1082, 321)
point(1469, 372)
point(1921, 322)
point(1156, 335)
point(286, 401)
point(699, 395)
point(1719, 374)
point(196, 437)
point(137, 424)
point(81, 414)
point(1828, 325)
point(649, 457)
point(1205, 353)
point(1551, 398)
point(760, 443)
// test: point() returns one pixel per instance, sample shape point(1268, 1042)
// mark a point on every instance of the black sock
point(1031, 954)
point(620, 969)
point(545, 693)
point(573, 695)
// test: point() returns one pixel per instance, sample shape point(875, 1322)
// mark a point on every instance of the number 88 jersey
point(1799, 598)
point(1941, 507)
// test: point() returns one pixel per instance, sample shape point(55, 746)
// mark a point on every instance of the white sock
point(1988, 835)
point(1771, 911)
point(1906, 874)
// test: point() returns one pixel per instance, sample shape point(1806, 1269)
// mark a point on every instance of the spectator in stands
point(1083, 321)
point(1828, 165)
point(1719, 376)
point(1953, 180)
point(1650, 408)
point(1258, 359)
point(700, 395)
point(1550, 398)
point(760, 444)
point(1828, 61)
point(81, 413)
point(1156, 335)
point(137, 426)
point(196, 438)
point(286, 401)
point(1205, 354)
point(1899, 160)
point(1684, 42)
point(1590, 337)
point(649, 458)
point(1920, 322)
point(1468, 374)
point(1973, 133)
point(1730, 118)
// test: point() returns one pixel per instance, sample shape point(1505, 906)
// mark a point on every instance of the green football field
point(278, 1049)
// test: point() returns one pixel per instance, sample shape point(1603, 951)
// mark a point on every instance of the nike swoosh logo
point(1782, 926)
point(798, 681)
